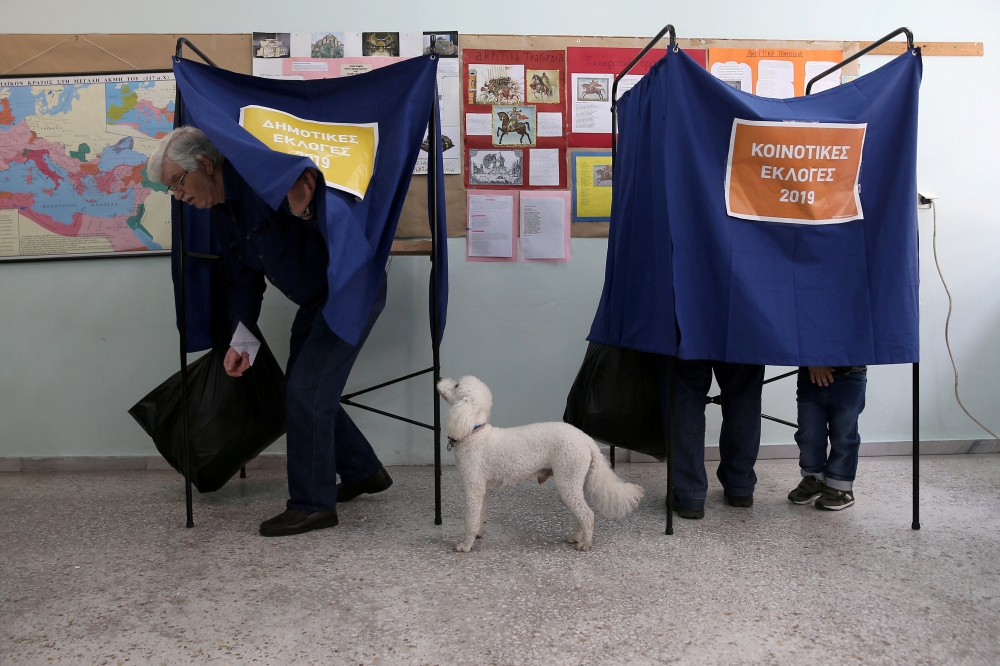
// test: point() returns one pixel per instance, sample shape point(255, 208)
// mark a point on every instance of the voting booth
point(765, 231)
point(358, 203)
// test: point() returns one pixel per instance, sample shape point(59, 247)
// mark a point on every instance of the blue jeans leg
point(320, 433)
point(739, 442)
point(829, 415)
point(811, 435)
point(693, 379)
point(847, 402)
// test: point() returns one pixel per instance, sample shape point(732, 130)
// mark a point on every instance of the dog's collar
point(451, 441)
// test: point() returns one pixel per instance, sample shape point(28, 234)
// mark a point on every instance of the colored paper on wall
point(514, 111)
point(592, 179)
point(545, 226)
point(775, 73)
point(491, 225)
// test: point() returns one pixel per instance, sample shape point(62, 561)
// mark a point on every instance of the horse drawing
point(509, 125)
point(602, 174)
point(540, 86)
point(500, 90)
point(594, 87)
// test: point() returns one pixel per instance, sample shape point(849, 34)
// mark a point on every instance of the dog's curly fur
point(490, 458)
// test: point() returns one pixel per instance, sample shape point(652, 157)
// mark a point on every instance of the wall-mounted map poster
point(73, 153)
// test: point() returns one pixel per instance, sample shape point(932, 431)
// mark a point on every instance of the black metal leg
point(612, 455)
point(916, 447)
point(437, 444)
point(178, 219)
point(243, 472)
point(432, 174)
point(671, 381)
point(182, 324)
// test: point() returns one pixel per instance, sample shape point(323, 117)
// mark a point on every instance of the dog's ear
point(461, 420)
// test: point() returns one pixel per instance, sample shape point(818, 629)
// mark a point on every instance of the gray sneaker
point(809, 488)
point(835, 500)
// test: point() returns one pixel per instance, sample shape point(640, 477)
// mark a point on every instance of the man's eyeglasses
point(177, 183)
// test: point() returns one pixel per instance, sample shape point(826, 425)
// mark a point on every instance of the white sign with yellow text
point(344, 152)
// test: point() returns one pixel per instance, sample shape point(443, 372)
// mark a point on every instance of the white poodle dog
point(491, 458)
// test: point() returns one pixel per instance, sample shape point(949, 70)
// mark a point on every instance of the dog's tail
point(614, 498)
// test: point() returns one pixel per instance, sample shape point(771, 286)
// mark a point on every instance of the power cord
point(947, 321)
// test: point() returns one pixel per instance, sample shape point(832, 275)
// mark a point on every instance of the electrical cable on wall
point(947, 322)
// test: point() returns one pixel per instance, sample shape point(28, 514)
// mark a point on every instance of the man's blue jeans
point(322, 438)
point(739, 441)
point(830, 413)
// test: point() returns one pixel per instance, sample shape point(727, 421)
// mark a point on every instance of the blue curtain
point(685, 278)
point(358, 234)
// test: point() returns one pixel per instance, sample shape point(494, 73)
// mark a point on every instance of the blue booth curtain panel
point(358, 233)
point(686, 278)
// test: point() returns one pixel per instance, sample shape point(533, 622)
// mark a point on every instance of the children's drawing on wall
point(514, 124)
point(499, 84)
point(381, 44)
point(592, 88)
point(496, 167)
point(544, 85)
point(602, 175)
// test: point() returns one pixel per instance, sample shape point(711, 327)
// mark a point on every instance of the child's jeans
point(830, 412)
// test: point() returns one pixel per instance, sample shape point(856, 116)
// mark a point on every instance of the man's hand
point(821, 374)
point(302, 191)
point(235, 363)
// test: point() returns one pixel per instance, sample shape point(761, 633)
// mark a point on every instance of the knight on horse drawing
point(513, 123)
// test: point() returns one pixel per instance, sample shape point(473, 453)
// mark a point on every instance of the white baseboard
point(116, 463)
point(868, 449)
point(277, 460)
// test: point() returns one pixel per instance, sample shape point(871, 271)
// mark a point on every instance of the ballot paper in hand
point(244, 341)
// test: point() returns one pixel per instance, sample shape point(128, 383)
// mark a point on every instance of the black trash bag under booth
point(615, 399)
point(231, 419)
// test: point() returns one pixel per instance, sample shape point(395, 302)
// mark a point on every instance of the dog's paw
point(573, 538)
point(583, 547)
point(463, 548)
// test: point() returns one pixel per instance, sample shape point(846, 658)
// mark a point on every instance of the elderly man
point(286, 247)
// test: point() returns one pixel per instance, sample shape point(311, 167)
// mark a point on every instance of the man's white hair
point(183, 146)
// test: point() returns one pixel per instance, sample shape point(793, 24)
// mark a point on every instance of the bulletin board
point(65, 54)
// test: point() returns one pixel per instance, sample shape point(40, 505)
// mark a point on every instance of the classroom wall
point(81, 341)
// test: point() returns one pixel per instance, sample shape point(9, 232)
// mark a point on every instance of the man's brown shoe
point(375, 483)
point(294, 521)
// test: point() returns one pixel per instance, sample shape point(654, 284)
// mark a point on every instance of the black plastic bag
point(231, 419)
point(616, 400)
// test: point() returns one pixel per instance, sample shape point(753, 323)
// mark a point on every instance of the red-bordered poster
point(514, 118)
